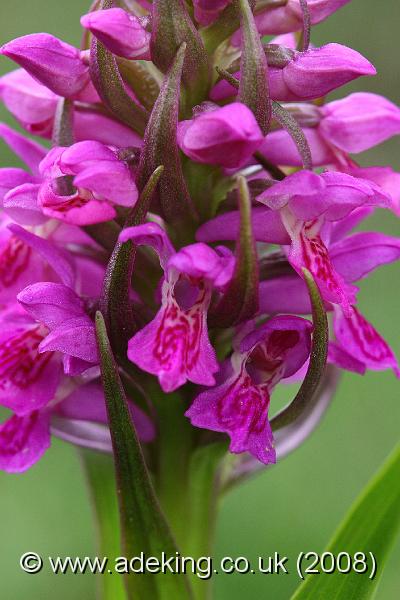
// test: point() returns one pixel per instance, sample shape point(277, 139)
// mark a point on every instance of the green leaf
point(318, 357)
point(253, 87)
point(240, 301)
point(172, 26)
point(110, 87)
point(100, 475)
point(370, 526)
point(160, 147)
point(116, 301)
point(138, 76)
point(63, 129)
point(288, 122)
point(143, 525)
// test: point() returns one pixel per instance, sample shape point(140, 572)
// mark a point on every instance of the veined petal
point(28, 381)
point(175, 345)
point(357, 255)
point(239, 409)
point(309, 251)
point(23, 441)
point(361, 340)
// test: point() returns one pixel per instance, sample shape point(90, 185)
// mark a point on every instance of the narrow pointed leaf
point(138, 77)
point(288, 122)
point(240, 301)
point(253, 87)
point(160, 147)
point(110, 86)
point(305, 37)
point(173, 26)
point(116, 303)
point(371, 526)
point(64, 123)
point(318, 357)
point(143, 525)
point(100, 475)
point(63, 135)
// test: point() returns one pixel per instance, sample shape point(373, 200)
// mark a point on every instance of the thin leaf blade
point(143, 525)
point(370, 526)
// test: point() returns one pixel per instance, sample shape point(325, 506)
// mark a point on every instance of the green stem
point(174, 446)
point(100, 475)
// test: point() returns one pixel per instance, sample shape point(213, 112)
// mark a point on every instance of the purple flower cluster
point(64, 213)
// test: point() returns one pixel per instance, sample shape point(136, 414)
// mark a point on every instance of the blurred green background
point(293, 506)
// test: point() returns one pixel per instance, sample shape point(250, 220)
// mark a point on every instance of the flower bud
point(122, 33)
point(284, 19)
point(50, 61)
point(359, 122)
point(226, 136)
point(310, 75)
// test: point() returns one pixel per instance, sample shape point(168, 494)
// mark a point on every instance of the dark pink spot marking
point(15, 433)
point(20, 362)
point(14, 259)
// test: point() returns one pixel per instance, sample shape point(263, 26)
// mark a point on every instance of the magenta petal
point(85, 154)
point(21, 205)
point(239, 409)
point(318, 71)
point(175, 347)
point(280, 148)
point(75, 209)
point(51, 61)
point(87, 403)
point(226, 136)
point(150, 234)
point(11, 178)
point(284, 295)
point(303, 192)
point(360, 121)
point(120, 31)
point(93, 126)
point(110, 181)
point(202, 262)
point(386, 178)
point(356, 256)
point(286, 338)
point(27, 150)
point(75, 337)
point(267, 227)
point(58, 259)
point(51, 303)
point(23, 441)
point(31, 103)
point(359, 338)
point(339, 357)
point(28, 381)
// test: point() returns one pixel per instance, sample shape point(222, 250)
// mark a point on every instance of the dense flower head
point(192, 206)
